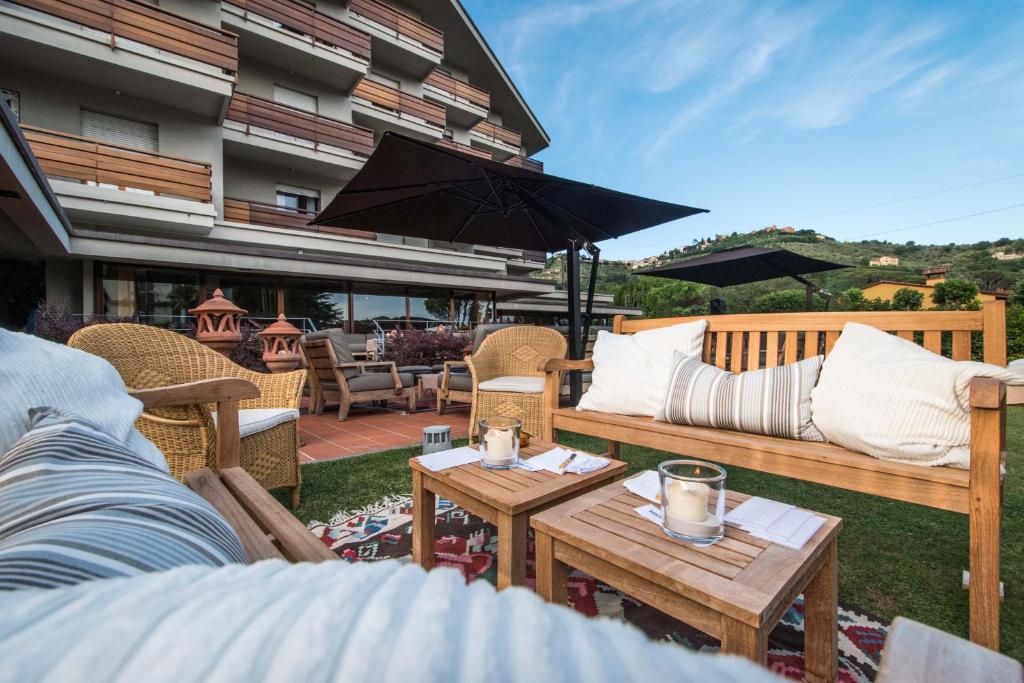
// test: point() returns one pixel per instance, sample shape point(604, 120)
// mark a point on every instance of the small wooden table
point(505, 498)
point(736, 590)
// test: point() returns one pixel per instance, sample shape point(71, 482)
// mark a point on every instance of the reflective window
point(429, 306)
point(258, 297)
point(380, 304)
point(323, 307)
point(155, 296)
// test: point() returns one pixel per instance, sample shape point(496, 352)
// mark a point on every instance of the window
point(449, 134)
point(298, 199)
point(157, 296)
point(323, 304)
point(294, 98)
point(119, 131)
point(12, 100)
point(380, 304)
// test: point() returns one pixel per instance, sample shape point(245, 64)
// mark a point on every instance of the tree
point(1017, 296)
point(851, 299)
point(785, 301)
point(992, 279)
point(675, 298)
point(956, 294)
point(907, 299)
point(1015, 332)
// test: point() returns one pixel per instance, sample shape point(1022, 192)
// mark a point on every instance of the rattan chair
point(505, 358)
point(149, 357)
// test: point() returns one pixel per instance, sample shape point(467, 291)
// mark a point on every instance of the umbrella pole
point(572, 278)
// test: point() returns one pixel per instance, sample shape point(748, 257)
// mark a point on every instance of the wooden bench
point(266, 529)
point(742, 342)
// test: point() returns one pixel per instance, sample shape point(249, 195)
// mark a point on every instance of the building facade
point(190, 142)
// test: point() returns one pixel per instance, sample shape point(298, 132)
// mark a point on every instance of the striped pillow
point(76, 504)
point(772, 401)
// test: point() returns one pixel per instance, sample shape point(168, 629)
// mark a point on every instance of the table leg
point(423, 505)
point(744, 640)
point(821, 606)
point(552, 574)
point(512, 550)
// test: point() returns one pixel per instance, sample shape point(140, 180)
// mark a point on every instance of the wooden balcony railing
point(402, 24)
point(496, 133)
point(400, 102)
point(315, 26)
point(320, 130)
point(72, 157)
point(467, 149)
point(261, 213)
point(457, 89)
point(146, 23)
point(526, 162)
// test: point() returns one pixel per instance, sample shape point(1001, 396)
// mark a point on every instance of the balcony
point(261, 213)
point(294, 36)
point(465, 149)
point(135, 46)
point(466, 104)
point(112, 185)
point(526, 163)
point(398, 39)
point(382, 107)
point(503, 142)
point(273, 133)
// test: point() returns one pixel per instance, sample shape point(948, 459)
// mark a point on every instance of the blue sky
point(776, 112)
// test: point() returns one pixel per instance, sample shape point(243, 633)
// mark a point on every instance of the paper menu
point(777, 522)
point(453, 457)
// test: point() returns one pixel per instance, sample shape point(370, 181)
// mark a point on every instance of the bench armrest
point(363, 364)
point(564, 364)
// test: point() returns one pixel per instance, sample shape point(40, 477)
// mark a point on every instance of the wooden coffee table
point(505, 498)
point(736, 590)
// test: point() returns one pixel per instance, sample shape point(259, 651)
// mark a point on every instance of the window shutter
point(294, 98)
point(118, 131)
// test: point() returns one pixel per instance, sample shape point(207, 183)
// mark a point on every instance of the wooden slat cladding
point(150, 25)
point(466, 149)
point(280, 118)
point(399, 22)
point(495, 132)
point(457, 89)
point(526, 162)
point(316, 26)
point(261, 213)
point(62, 155)
point(400, 102)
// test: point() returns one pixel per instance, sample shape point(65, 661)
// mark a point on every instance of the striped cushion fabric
point(76, 504)
point(772, 401)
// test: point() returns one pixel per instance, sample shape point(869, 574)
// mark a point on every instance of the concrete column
point(88, 288)
point(63, 284)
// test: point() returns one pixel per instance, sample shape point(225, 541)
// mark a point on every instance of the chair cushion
point(36, 372)
point(484, 331)
point(256, 420)
point(414, 369)
point(459, 381)
point(519, 385)
point(77, 504)
point(373, 381)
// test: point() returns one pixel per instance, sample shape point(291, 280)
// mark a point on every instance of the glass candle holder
point(693, 501)
point(499, 442)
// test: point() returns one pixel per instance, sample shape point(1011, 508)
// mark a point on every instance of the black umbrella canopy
point(741, 265)
point(419, 189)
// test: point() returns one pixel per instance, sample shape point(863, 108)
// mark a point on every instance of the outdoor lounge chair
point(347, 380)
point(148, 357)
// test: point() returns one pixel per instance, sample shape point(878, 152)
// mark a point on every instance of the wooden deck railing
point(261, 213)
point(280, 118)
point(315, 26)
point(493, 131)
point(399, 22)
point(62, 155)
point(400, 102)
point(457, 89)
point(467, 149)
point(146, 23)
point(526, 162)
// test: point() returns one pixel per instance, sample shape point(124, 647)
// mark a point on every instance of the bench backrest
point(749, 341)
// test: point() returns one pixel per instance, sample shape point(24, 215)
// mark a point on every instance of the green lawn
point(895, 558)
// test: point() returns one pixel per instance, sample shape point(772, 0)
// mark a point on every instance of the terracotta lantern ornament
point(217, 323)
point(281, 345)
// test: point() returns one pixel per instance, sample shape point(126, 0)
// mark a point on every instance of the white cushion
point(36, 373)
point(631, 372)
point(519, 385)
point(256, 420)
point(890, 398)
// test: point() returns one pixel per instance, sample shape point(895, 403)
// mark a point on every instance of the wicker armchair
point(505, 359)
point(148, 357)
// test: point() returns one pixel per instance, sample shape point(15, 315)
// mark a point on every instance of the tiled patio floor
point(368, 429)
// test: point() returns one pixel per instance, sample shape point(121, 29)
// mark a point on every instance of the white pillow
point(890, 398)
point(631, 372)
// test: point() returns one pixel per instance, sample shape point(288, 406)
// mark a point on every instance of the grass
point(894, 558)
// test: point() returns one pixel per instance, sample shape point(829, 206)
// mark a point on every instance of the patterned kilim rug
point(464, 541)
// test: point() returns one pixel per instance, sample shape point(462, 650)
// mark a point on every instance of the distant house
point(885, 261)
point(886, 289)
point(1007, 256)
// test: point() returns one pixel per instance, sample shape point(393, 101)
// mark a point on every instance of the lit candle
point(688, 500)
point(498, 449)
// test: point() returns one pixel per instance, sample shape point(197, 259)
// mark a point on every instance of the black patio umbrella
point(741, 265)
point(419, 189)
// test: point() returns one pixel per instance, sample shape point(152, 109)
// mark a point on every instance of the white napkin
point(647, 485)
point(550, 461)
